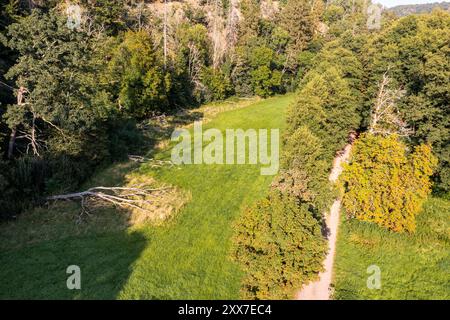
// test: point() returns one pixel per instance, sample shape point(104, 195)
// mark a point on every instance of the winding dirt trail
point(320, 289)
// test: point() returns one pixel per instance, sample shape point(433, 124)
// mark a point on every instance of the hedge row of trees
point(279, 241)
point(393, 86)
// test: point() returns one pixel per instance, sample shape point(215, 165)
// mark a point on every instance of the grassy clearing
point(187, 258)
point(412, 266)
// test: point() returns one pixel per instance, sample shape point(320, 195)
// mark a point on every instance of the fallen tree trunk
point(124, 197)
point(153, 163)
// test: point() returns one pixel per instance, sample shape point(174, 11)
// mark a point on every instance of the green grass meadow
point(186, 258)
point(413, 266)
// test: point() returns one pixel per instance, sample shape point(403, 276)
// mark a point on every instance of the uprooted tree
point(119, 196)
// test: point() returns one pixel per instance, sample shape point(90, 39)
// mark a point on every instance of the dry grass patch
point(158, 206)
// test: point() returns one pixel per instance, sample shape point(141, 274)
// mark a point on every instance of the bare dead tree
point(232, 24)
point(165, 33)
point(218, 34)
point(12, 139)
point(139, 13)
point(29, 131)
point(215, 35)
point(385, 117)
point(34, 3)
point(195, 66)
point(90, 27)
point(32, 136)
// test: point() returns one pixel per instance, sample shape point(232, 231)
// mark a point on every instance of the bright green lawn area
point(188, 258)
point(412, 266)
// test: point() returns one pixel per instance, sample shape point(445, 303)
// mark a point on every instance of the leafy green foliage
point(218, 84)
point(57, 70)
point(67, 115)
point(265, 81)
point(304, 157)
point(326, 105)
point(143, 85)
point(108, 14)
point(416, 51)
point(300, 19)
point(280, 246)
point(278, 241)
point(85, 91)
point(257, 70)
point(334, 54)
point(342, 16)
point(383, 184)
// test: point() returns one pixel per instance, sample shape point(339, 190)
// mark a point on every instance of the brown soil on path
point(320, 289)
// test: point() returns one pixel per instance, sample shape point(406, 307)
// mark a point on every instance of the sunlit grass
point(413, 266)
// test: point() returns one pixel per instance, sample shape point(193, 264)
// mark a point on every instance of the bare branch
point(154, 163)
point(385, 116)
point(122, 197)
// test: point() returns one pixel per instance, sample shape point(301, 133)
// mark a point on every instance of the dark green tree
point(279, 245)
point(142, 85)
point(327, 106)
point(56, 77)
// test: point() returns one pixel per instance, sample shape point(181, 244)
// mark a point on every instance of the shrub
point(265, 81)
point(384, 184)
point(279, 245)
point(256, 71)
point(21, 184)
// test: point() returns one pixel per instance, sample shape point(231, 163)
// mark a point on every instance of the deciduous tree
point(386, 185)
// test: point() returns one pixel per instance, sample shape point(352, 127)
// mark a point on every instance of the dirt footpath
point(320, 289)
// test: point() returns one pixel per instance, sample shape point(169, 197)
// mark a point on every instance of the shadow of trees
point(39, 272)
